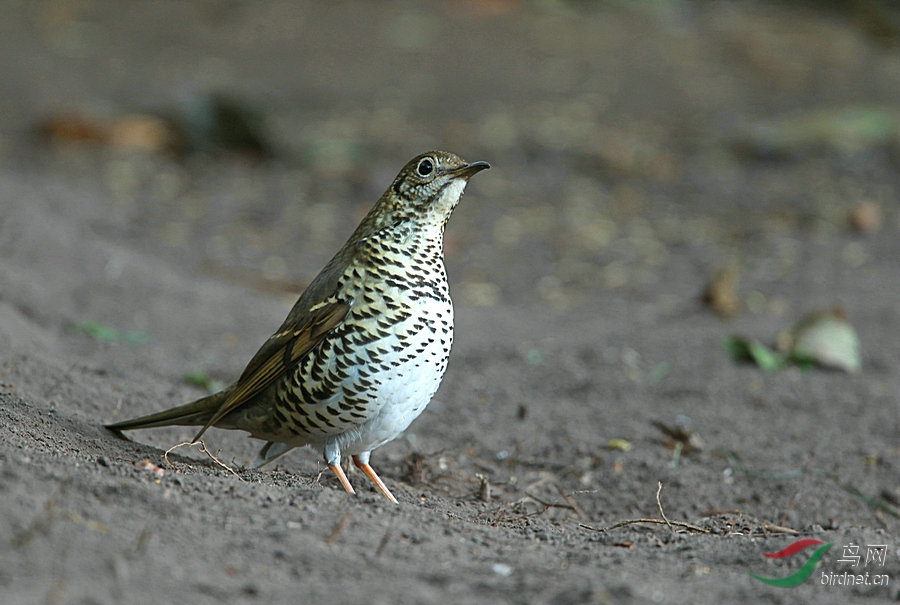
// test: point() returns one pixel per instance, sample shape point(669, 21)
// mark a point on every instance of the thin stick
point(384, 542)
point(341, 526)
point(659, 506)
point(665, 520)
point(688, 526)
point(549, 505)
point(779, 529)
point(570, 501)
point(202, 447)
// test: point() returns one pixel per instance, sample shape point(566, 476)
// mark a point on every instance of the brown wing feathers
point(279, 354)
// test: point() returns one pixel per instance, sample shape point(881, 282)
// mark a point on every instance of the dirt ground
point(636, 150)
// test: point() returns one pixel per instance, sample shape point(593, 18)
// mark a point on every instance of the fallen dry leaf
point(721, 292)
point(146, 465)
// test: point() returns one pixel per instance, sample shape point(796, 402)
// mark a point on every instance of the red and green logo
point(801, 575)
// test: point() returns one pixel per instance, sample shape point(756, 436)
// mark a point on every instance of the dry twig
point(384, 542)
point(671, 524)
point(202, 447)
point(659, 505)
point(340, 527)
point(687, 526)
point(548, 505)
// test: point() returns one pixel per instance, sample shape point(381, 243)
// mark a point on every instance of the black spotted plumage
point(365, 347)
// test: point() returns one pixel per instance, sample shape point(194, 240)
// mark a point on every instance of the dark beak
point(469, 170)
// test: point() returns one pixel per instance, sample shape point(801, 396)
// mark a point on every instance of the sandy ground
point(629, 164)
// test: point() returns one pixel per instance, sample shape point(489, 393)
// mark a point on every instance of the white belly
point(408, 384)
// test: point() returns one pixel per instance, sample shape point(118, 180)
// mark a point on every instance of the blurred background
point(667, 177)
point(246, 138)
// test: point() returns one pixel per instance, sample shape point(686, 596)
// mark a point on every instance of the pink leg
point(374, 478)
point(342, 477)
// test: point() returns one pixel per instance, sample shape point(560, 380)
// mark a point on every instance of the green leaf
point(104, 333)
point(201, 379)
point(753, 351)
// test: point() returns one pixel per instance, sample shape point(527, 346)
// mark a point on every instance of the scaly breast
point(376, 372)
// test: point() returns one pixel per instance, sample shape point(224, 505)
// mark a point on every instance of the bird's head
point(427, 189)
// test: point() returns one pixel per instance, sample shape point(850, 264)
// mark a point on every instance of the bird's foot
point(375, 479)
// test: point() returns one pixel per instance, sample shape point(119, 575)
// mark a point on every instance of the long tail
point(196, 413)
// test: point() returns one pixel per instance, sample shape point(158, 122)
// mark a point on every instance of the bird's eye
point(425, 167)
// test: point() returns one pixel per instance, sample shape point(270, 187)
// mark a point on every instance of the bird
point(364, 348)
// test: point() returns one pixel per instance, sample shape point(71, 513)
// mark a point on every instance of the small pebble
point(502, 569)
